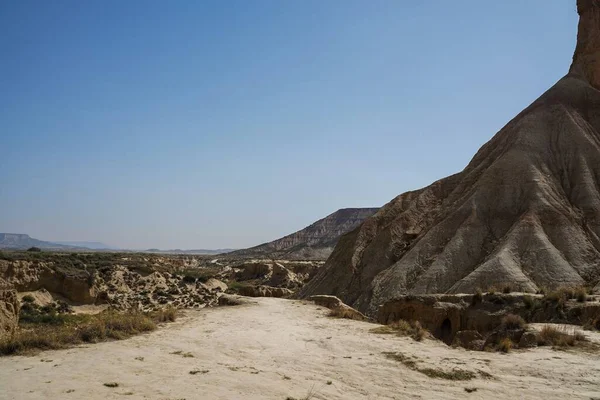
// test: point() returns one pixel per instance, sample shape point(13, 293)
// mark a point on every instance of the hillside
point(525, 212)
point(315, 242)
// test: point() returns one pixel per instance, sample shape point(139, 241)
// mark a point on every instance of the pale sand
point(279, 348)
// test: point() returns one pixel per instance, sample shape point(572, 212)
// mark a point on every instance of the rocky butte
point(315, 242)
point(524, 212)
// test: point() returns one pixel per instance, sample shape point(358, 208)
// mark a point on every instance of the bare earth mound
point(277, 349)
point(524, 212)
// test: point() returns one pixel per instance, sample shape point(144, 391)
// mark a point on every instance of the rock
point(215, 284)
point(528, 340)
point(335, 304)
point(330, 302)
point(264, 291)
point(471, 340)
point(255, 271)
point(9, 309)
point(524, 212)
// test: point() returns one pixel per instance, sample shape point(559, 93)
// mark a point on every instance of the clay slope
point(315, 242)
point(524, 212)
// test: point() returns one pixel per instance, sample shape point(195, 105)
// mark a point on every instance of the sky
point(225, 124)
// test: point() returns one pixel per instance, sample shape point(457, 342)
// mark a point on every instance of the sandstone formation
point(463, 318)
point(524, 212)
point(9, 309)
point(315, 242)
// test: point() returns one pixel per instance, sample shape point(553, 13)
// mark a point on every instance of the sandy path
point(279, 348)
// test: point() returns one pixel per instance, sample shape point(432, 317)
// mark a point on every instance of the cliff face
point(313, 242)
point(524, 212)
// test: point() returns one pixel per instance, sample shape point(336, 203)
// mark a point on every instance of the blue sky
point(210, 124)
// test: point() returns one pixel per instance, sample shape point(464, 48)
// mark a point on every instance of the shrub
point(552, 336)
point(403, 328)
point(28, 299)
point(491, 290)
point(529, 302)
point(513, 322)
point(581, 294)
point(34, 249)
point(506, 289)
point(505, 345)
point(477, 297)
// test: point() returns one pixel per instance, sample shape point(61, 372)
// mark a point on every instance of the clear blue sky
point(210, 124)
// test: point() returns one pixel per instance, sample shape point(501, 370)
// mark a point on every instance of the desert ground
point(279, 349)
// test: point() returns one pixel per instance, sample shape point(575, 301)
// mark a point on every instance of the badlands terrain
point(281, 349)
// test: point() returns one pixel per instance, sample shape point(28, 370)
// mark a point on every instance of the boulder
point(215, 285)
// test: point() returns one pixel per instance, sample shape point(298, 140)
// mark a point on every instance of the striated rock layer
point(315, 242)
point(9, 309)
point(524, 212)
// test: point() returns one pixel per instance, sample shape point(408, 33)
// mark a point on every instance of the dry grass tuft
point(454, 375)
point(513, 322)
point(559, 337)
point(403, 328)
point(505, 345)
point(347, 313)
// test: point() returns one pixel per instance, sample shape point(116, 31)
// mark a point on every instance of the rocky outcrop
point(524, 212)
point(9, 309)
point(275, 273)
point(445, 316)
point(27, 276)
point(315, 242)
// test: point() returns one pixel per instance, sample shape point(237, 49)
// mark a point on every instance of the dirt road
point(275, 349)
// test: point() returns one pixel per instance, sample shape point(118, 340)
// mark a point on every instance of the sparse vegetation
point(513, 322)
point(403, 328)
point(454, 375)
point(346, 313)
point(34, 249)
point(559, 337)
point(28, 299)
point(505, 345)
point(46, 329)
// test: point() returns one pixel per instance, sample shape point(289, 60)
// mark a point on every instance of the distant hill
point(315, 242)
point(88, 245)
point(197, 251)
point(19, 241)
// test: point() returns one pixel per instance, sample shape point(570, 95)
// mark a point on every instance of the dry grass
point(346, 313)
point(559, 337)
point(477, 297)
point(505, 345)
point(562, 294)
point(454, 375)
point(80, 329)
point(403, 328)
point(513, 322)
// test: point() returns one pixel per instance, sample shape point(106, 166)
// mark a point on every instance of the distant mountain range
point(316, 241)
point(23, 241)
point(20, 241)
